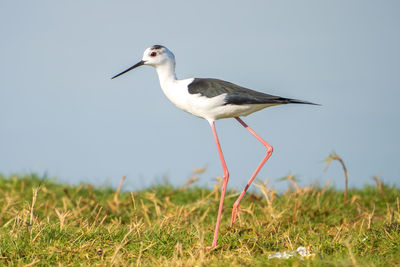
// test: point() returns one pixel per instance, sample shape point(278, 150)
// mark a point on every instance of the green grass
point(43, 222)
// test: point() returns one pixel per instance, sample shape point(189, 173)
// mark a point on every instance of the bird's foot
point(211, 247)
point(234, 215)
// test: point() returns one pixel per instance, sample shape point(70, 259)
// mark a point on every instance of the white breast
point(200, 106)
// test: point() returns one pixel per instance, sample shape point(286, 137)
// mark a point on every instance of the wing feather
point(235, 94)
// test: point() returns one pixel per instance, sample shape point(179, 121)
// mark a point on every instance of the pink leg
point(226, 177)
point(269, 152)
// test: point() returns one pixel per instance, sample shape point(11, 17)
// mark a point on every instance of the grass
point(44, 223)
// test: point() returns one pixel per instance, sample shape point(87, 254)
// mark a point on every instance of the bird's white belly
point(211, 109)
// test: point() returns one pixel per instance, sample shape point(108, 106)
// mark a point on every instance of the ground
point(43, 222)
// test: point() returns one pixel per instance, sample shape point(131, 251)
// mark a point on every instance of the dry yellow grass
point(46, 223)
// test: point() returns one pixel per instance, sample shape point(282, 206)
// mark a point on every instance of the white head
point(156, 55)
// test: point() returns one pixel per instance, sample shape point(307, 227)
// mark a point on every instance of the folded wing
point(236, 94)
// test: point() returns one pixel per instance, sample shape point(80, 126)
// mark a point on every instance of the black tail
point(294, 101)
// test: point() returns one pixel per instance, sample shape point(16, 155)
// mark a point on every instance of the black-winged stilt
point(211, 99)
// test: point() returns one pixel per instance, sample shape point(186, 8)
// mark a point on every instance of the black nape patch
point(155, 47)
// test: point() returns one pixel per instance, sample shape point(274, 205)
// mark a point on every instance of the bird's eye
point(153, 54)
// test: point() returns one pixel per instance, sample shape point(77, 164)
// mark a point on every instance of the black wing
point(236, 94)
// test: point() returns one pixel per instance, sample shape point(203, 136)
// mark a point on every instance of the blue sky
point(63, 115)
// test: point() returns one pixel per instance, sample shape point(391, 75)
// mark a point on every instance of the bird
point(212, 99)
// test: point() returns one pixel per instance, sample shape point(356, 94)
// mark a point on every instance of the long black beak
point(140, 63)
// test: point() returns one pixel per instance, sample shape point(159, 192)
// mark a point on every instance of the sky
point(61, 114)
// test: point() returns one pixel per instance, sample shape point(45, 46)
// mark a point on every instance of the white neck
point(166, 73)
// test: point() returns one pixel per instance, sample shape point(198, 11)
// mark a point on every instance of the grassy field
point(43, 222)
